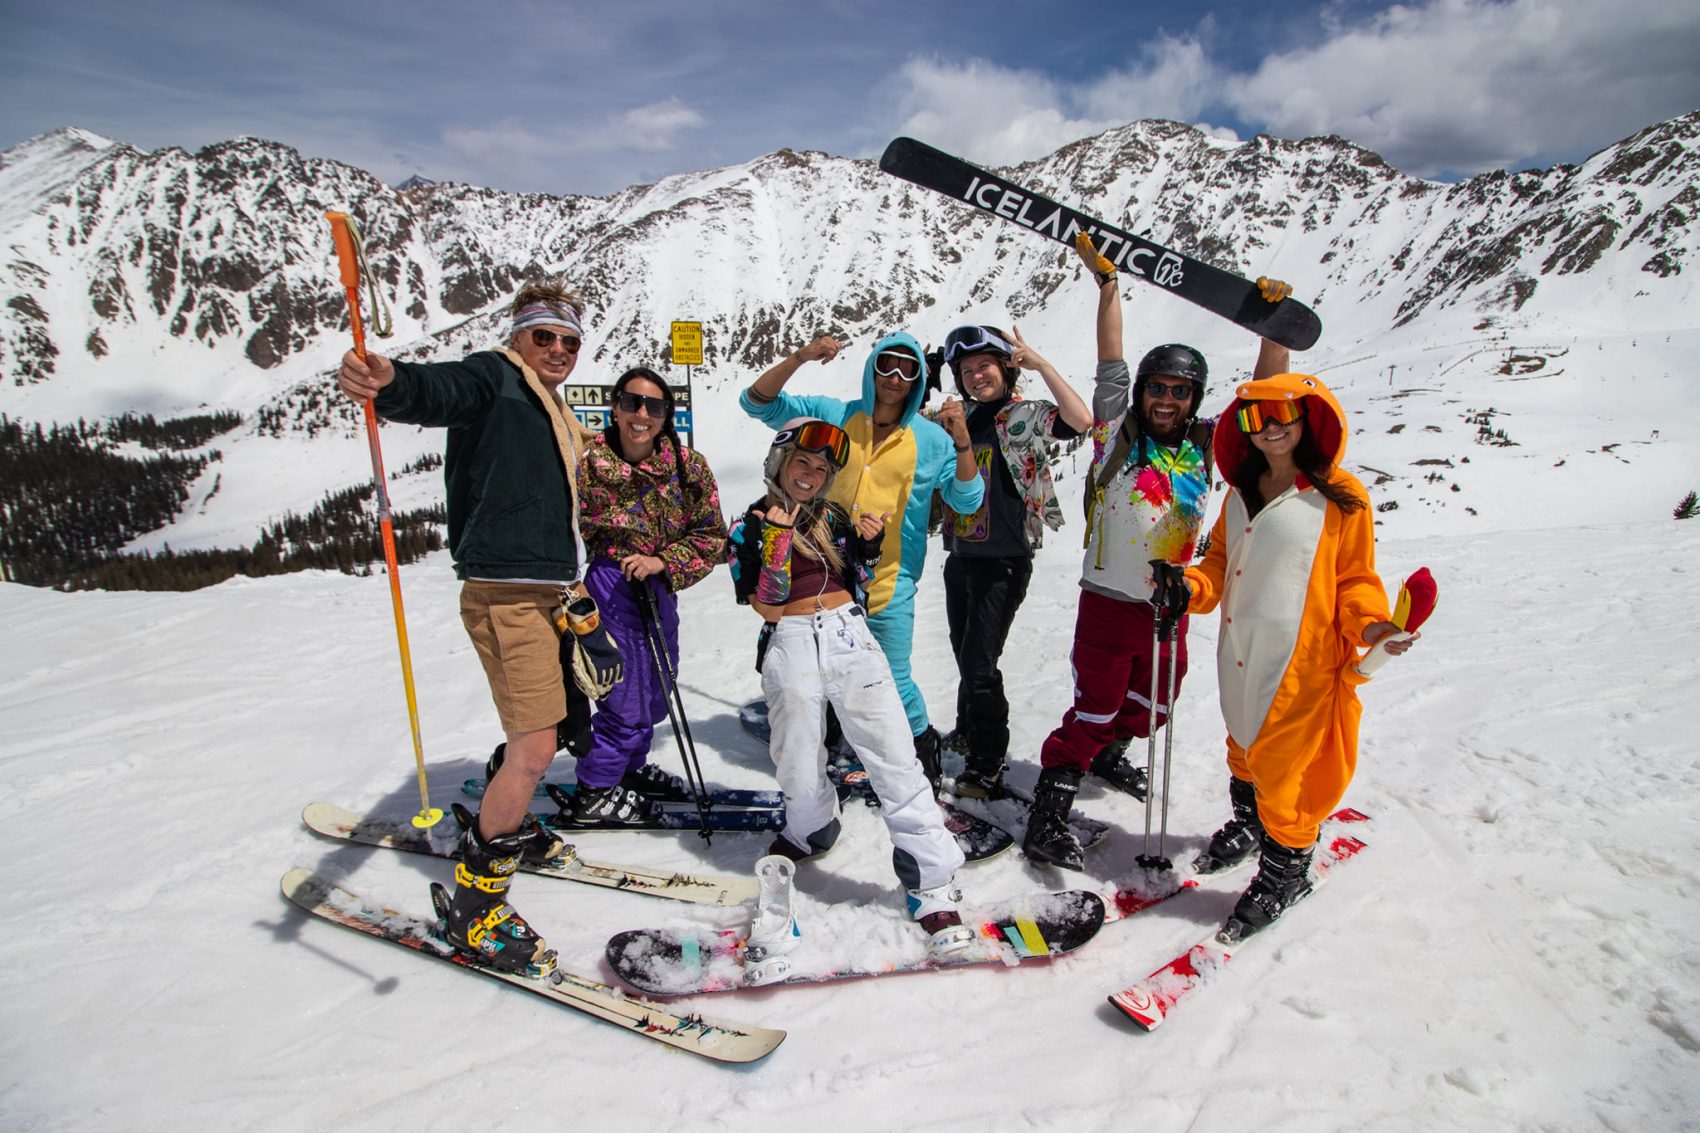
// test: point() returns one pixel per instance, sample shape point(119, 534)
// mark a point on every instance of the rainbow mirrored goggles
point(817, 436)
point(1253, 416)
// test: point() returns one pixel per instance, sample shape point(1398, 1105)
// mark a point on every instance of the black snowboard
point(1289, 322)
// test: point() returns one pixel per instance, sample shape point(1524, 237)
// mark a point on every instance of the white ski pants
point(831, 657)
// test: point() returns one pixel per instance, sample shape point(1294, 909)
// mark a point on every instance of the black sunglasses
point(544, 339)
point(635, 402)
point(1180, 391)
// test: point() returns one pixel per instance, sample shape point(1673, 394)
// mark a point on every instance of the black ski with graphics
point(1289, 322)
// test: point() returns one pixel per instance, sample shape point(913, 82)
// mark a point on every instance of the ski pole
point(1163, 626)
point(652, 634)
point(351, 257)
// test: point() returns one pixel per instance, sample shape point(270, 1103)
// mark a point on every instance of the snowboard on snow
point(719, 1040)
point(695, 961)
point(978, 839)
point(1289, 322)
point(442, 841)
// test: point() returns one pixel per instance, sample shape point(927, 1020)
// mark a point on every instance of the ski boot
point(1049, 839)
point(617, 805)
point(653, 783)
point(820, 842)
point(1232, 844)
point(981, 778)
point(494, 763)
point(477, 921)
point(538, 844)
point(927, 751)
point(775, 930)
point(1112, 765)
point(1283, 878)
point(936, 911)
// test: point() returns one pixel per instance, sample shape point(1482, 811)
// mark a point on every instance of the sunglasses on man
point(545, 339)
point(635, 403)
point(1179, 391)
point(1255, 416)
point(899, 363)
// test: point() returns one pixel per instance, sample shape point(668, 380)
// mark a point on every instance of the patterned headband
point(543, 314)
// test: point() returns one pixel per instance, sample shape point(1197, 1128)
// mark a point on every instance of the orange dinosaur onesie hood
point(1324, 419)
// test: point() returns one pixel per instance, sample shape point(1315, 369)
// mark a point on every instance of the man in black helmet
point(1146, 495)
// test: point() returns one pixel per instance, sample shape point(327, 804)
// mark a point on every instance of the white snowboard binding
point(775, 931)
point(936, 910)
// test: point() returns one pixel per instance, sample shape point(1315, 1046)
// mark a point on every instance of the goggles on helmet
point(1253, 416)
point(899, 362)
point(817, 436)
point(974, 340)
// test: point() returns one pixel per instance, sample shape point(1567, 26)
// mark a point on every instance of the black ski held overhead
point(1289, 322)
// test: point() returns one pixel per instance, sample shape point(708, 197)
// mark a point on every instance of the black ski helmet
point(1176, 361)
point(968, 340)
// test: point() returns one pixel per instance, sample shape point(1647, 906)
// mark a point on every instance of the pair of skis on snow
point(669, 962)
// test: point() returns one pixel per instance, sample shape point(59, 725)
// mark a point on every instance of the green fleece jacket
point(509, 500)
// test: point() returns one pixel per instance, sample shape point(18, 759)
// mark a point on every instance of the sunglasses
point(1255, 416)
point(820, 437)
point(1180, 391)
point(544, 339)
point(635, 403)
point(974, 340)
point(903, 365)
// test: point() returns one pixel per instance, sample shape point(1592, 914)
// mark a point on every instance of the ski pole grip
point(348, 264)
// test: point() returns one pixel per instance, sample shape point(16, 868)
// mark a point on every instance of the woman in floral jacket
point(650, 517)
point(991, 551)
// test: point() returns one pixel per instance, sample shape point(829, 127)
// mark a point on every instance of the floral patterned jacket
point(1024, 430)
point(649, 508)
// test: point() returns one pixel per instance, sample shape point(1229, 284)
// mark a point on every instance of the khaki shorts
point(512, 625)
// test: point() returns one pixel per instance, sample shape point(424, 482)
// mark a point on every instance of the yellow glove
point(1100, 267)
point(1274, 290)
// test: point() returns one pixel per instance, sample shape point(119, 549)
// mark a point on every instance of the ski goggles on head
point(974, 340)
point(899, 362)
point(1253, 416)
point(819, 437)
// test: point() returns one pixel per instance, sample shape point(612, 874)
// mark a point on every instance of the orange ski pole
point(349, 256)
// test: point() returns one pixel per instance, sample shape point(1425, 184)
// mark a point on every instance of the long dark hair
point(1316, 467)
point(612, 433)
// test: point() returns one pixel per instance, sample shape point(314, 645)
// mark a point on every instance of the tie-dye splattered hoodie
point(1153, 508)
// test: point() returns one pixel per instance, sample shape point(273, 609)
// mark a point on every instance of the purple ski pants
point(624, 723)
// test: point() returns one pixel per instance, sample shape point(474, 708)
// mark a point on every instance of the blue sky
point(590, 97)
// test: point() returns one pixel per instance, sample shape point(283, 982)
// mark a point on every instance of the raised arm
point(767, 387)
point(1070, 407)
point(1109, 299)
point(1272, 357)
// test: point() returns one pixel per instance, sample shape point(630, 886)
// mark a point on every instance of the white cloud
point(653, 128)
point(1002, 115)
point(1468, 85)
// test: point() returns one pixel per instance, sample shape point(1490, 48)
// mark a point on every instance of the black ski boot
point(653, 783)
point(477, 920)
point(981, 778)
point(538, 844)
point(927, 751)
point(1111, 765)
point(612, 806)
point(1283, 878)
point(1049, 838)
point(1232, 844)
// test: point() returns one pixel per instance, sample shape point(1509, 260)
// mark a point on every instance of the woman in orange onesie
point(1292, 564)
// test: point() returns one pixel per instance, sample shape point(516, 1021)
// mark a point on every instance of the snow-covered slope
point(1514, 951)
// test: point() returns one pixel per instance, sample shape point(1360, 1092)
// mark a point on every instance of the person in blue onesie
point(897, 460)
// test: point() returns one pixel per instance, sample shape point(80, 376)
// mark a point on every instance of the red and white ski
point(1149, 1001)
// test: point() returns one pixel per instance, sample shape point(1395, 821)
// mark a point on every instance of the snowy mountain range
point(164, 282)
